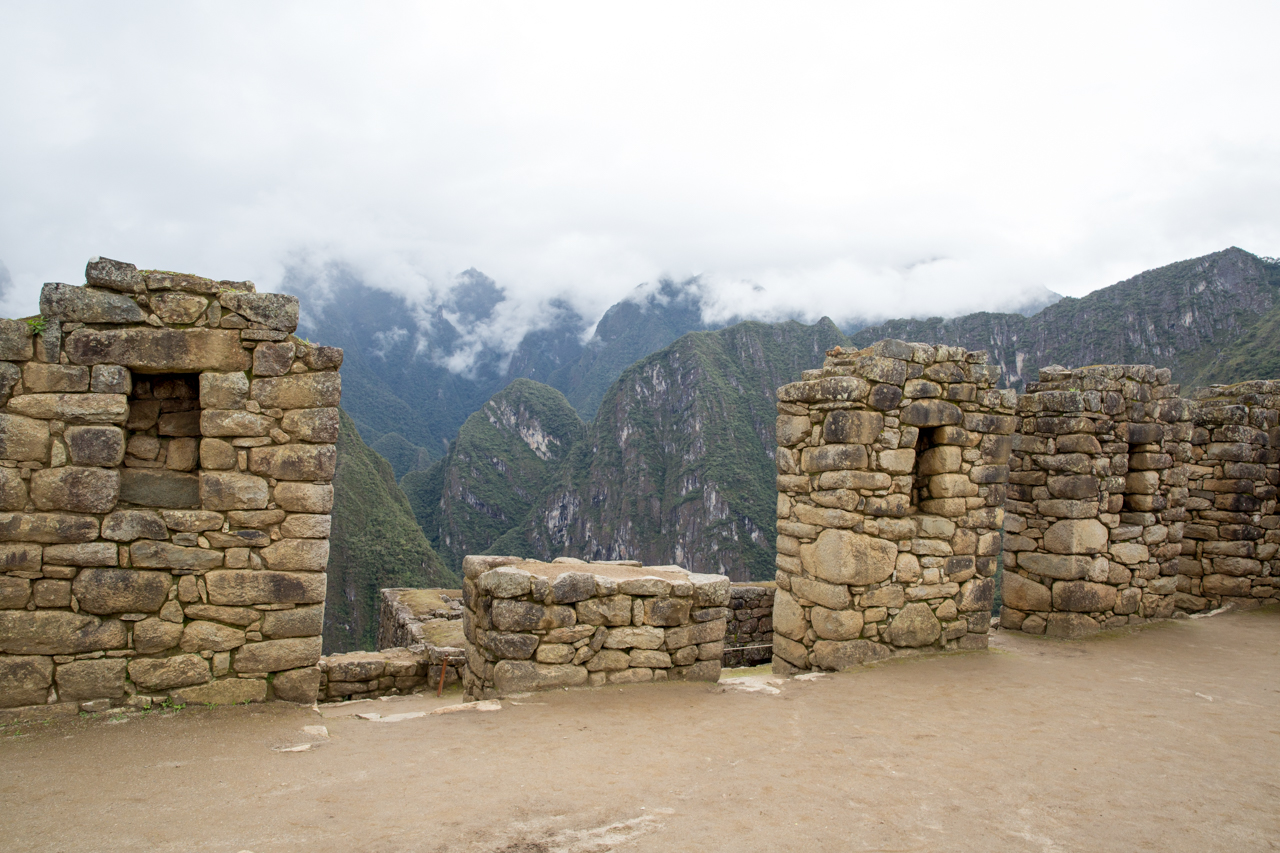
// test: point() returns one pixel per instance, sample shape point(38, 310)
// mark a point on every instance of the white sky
point(850, 158)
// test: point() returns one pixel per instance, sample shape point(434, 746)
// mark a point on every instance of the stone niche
point(1232, 533)
point(1097, 500)
point(531, 625)
point(892, 463)
point(167, 448)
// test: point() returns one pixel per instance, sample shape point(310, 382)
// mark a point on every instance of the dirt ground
point(1160, 738)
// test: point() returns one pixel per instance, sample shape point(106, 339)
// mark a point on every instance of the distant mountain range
point(675, 464)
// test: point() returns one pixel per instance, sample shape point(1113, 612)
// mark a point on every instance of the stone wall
point(410, 617)
point(892, 463)
point(388, 672)
point(748, 638)
point(166, 455)
point(1232, 533)
point(1097, 496)
point(536, 626)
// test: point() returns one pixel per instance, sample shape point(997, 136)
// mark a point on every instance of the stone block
point(39, 378)
point(159, 350)
point(696, 634)
point(23, 439)
point(24, 680)
point(1057, 566)
point(13, 490)
point(147, 554)
point(914, 626)
point(191, 520)
point(226, 490)
point(944, 459)
point(179, 423)
point(178, 308)
point(202, 636)
point(110, 379)
point(295, 461)
point(886, 596)
point(650, 659)
point(57, 632)
point(309, 527)
point(68, 302)
point(168, 673)
point(666, 611)
point(223, 391)
point(297, 685)
point(272, 359)
point(610, 611)
point(47, 527)
point(273, 310)
point(297, 555)
point(831, 596)
point(835, 624)
point(524, 676)
point(313, 425)
point(239, 588)
point(833, 457)
point(897, 461)
point(1129, 553)
point(275, 655)
point(943, 486)
point(1083, 596)
point(321, 358)
point(572, 587)
point(217, 423)
point(836, 656)
point(152, 635)
point(15, 340)
point(304, 497)
point(845, 557)
point(1076, 536)
point(76, 489)
point(609, 660)
point(791, 429)
point(104, 591)
point(95, 445)
point(844, 426)
point(114, 275)
point(788, 617)
point(1069, 625)
point(298, 391)
point(1215, 585)
point(299, 622)
point(1025, 595)
point(169, 489)
point(216, 454)
point(933, 413)
point(14, 592)
point(81, 554)
point(976, 595)
point(91, 679)
point(226, 691)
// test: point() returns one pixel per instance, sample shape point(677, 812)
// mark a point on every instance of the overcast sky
point(806, 158)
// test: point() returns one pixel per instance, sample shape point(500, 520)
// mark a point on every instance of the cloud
point(838, 159)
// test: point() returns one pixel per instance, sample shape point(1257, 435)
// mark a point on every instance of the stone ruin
point(909, 489)
point(167, 448)
point(892, 463)
point(531, 625)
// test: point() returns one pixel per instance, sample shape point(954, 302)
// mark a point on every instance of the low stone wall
point(388, 672)
point(410, 617)
point(1233, 532)
point(748, 639)
point(166, 455)
point(1097, 495)
point(535, 626)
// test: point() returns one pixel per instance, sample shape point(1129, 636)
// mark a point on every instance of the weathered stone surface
point(304, 497)
point(178, 308)
point(104, 591)
point(14, 592)
point(91, 679)
point(95, 445)
point(114, 275)
point(299, 622)
point(191, 520)
point(87, 408)
point(40, 378)
point(51, 593)
point(1059, 567)
point(224, 490)
point(1225, 585)
point(272, 359)
point(833, 457)
point(297, 555)
point(788, 616)
point(153, 635)
point(226, 691)
point(300, 391)
point(609, 611)
point(321, 358)
point(211, 636)
point(505, 582)
point(1022, 594)
point(932, 413)
point(15, 340)
point(845, 557)
point(24, 680)
point(297, 685)
point(844, 426)
point(81, 554)
point(57, 632)
point(835, 624)
point(1130, 553)
point(831, 596)
point(696, 634)
point(609, 660)
point(223, 391)
point(169, 489)
point(110, 379)
point(265, 587)
point(13, 490)
point(836, 656)
point(216, 454)
point(976, 595)
point(1070, 625)
point(76, 489)
point(1076, 536)
point(635, 638)
point(168, 350)
point(1083, 596)
point(666, 611)
point(572, 587)
point(791, 429)
point(273, 310)
point(307, 527)
point(47, 527)
point(168, 673)
point(710, 590)
point(87, 305)
point(295, 461)
point(275, 655)
point(315, 425)
point(234, 422)
point(164, 555)
point(241, 616)
point(182, 454)
point(180, 423)
point(524, 676)
point(914, 626)
point(23, 439)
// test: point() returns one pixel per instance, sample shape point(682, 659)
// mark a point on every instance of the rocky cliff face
point(1183, 316)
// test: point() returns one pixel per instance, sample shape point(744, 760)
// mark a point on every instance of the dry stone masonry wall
point(892, 463)
point(1232, 533)
point(167, 448)
point(748, 639)
point(535, 626)
point(1097, 500)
